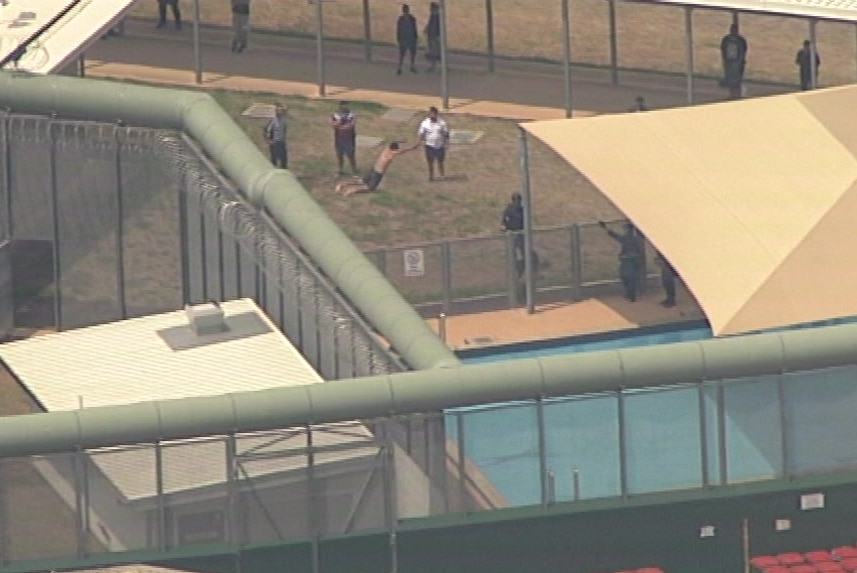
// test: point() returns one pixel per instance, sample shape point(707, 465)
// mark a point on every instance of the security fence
point(108, 222)
point(459, 275)
point(322, 481)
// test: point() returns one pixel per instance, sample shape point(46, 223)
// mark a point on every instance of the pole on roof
point(735, 17)
point(688, 36)
point(813, 65)
point(614, 46)
point(566, 58)
point(489, 32)
point(319, 48)
point(528, 219)
point(444, 70)
point(197, 52)
point(367, 31)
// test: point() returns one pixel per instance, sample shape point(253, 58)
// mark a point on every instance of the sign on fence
point(415, 263)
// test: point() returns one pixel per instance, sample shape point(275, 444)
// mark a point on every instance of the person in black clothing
point(162, 13)
point(406, 37)
point(630, 255)
point(668, 278)
point(733, 53)
point(804, 61)
point(513, 222)
point(432, 32)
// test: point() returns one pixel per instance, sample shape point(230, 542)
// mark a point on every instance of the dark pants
point(629, 274)
point(668, 282)
point(279, 154)
point(162, 12)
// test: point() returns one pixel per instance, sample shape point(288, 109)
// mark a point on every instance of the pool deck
point(557, 320)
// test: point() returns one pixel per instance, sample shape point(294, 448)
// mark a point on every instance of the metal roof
point(130, 361)
point(134, 361)
point(837, 10)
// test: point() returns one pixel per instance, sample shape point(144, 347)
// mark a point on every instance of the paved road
point(288, 65)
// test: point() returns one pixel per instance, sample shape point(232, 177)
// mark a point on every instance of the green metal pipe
point(432, 390)
point(278, 191)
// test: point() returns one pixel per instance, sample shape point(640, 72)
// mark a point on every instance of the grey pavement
point(280, 58)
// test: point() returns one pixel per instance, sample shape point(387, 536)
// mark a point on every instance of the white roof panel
point(130, 361)
point(65, 29)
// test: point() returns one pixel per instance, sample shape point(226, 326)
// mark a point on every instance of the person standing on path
point(434, 135)
point(406, 38)
point(432, 33)
point(275, 135)
point(344, 124)
point(162, 13)
point(240, 24)
point(803, 59)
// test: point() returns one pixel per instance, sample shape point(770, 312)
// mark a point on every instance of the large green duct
point(277, 190)
point(432, 390)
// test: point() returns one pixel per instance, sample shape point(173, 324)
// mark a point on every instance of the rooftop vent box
point(206, 318)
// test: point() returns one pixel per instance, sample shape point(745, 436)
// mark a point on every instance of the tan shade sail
point(754, 202)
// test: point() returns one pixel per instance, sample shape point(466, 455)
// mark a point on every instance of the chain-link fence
point(109, 222)
point(460, 275)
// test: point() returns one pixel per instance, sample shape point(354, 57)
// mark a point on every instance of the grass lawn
point(649, 37)
point(408, 208)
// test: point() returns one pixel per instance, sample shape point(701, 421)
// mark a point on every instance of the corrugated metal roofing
point(127, 361)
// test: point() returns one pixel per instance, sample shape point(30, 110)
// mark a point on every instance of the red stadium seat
point(776, 569)
point(849, 564)
point(820, 556)
point(845, 552)
point(791, 558)
point(829, 567)
point(764, 561)
point(803, 568)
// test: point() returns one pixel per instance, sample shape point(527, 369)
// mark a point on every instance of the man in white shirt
point(434, 135)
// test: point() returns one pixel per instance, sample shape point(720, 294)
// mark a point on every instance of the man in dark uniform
point(406, 38)
point(629, 258)
point(162, 13)
point(803, 59)
point(733, 53)
point(513, 222)
point(668, 278)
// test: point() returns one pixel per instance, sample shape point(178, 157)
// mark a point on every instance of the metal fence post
point(489, 30)
point(56, 225)
point(703, 437)
point(120, 224)
point(623, 444)
point(367, 31)
point(784, 421)
point(614, 46)
point(444, 60)
point(688, 34)
point(7, 160)
point(319, 47)
point(511, 271)
point(160, 510)
point(566, 58)
point(77, 461)
point(575, 484)
point(197, 49)
point(446, 276)
point(576, 261)
point(529, 271)
point(544, 475)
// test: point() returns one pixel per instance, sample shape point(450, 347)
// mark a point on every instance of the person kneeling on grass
point(369, 182)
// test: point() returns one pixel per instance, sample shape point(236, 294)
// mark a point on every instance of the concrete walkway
point(288, 66)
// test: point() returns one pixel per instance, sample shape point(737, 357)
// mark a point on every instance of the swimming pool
point(668, 438)
point(625, 338)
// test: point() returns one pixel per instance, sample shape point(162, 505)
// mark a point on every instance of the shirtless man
point(369, 182)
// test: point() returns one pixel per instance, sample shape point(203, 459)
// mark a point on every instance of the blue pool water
point(646, 336)
point(662, 427)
